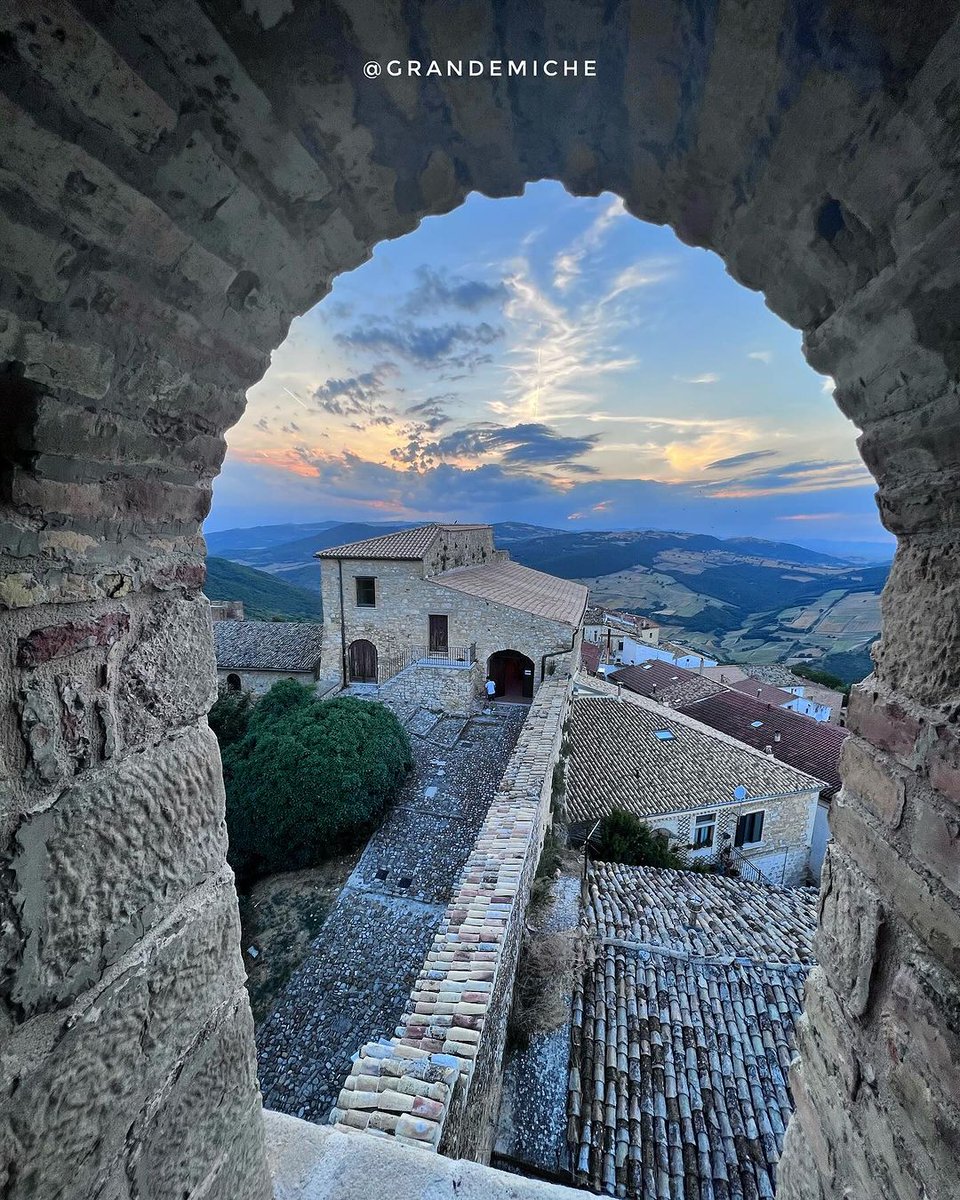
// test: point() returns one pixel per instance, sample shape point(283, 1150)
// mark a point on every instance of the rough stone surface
point(178, 180)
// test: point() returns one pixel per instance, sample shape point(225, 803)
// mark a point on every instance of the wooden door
point(362, 657)
point(438, 633)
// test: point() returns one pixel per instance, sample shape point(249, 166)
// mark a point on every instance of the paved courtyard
point(353, 985)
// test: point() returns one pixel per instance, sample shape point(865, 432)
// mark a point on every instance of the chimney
point(777, 735)
point(694, 905)
point(768, 750)
point(619, 691)
point(759, 692)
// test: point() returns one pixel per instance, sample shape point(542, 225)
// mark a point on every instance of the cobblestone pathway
point(353, 985)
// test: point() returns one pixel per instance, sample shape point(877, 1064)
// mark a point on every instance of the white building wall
point(635, 652)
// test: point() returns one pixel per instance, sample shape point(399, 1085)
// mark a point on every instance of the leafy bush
point(230, 717)
point(624, 838)
point(822, 677)
point(308, 778)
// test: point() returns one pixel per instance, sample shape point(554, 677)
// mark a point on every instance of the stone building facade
point(444, 594)
point(180, 180)
point(712, 796)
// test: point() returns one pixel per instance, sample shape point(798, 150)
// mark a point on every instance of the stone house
point(792, 699)
point(710, 794)
point(442, 598)
point(253, 655)
point(607, 629)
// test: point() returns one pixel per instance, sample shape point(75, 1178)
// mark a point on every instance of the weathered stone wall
point(464, 546)
point(455, 690)
point(177, 180)
point(400, 620)
point(437, 1082)
point(260, 682)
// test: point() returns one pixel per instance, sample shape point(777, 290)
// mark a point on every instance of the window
point(233, 683)
point(704, 828)
point(749, 829)
point(366, 591)
point(663, 735)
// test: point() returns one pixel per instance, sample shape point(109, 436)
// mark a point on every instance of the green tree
point(308, 778)
point(624, 838)
point(230, 717)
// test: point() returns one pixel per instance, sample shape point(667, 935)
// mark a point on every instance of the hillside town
point(540, 726)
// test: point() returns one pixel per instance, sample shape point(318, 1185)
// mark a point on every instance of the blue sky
point(552, 360)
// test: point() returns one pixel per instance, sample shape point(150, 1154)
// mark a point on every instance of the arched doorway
point(362, 661)
point(233, 682)
point(513, 674)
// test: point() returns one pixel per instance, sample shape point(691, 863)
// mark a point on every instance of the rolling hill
point(738, 599)
point(265, 597)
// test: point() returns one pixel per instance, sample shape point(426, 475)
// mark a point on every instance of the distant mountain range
point(733, 597)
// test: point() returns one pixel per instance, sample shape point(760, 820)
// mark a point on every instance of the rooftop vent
point(694, 906)
point(777, 735)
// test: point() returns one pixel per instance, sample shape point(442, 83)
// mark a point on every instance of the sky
point(547, 359)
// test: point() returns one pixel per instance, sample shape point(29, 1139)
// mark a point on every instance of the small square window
point(404, 881)
point(366, 591)
point(756, 724)
point(382, 874)
point(664, 735)
point(749, 829)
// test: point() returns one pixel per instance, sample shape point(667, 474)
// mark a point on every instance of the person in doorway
point(491, 690)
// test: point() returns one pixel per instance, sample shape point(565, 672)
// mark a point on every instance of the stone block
point(936, 840)
point(906, 890)
point(167, 679)
point(847, 940)
point(76, 1084)
point(883, 722)
point(115, 852)
point(878, 784)
point(209, 1117)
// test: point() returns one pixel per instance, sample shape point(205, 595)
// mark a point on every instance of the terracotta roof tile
point(665, 682)
point(682, 1035)
point(514, 586)
point(404, 544)
point(806, 744)
point(617, 760)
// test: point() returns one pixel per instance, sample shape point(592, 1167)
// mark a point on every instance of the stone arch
point(362, 661)
point(180, 180)
point(514, 674)
point(234, 683)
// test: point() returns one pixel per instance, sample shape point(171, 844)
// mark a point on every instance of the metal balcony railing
point(453, 656)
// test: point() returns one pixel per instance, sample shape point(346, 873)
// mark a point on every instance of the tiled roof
point(610, 616)
point(682, 1038)
point(267, 645)
point(404, 544)
point(763, 691)
point(519, 587)
point(774, 673)
point(618, 761)
point(806, 744)
point(590, 657)
point(665, 682)
point(651, 906)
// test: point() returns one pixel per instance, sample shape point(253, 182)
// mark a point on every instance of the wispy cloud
point(437, 289)
point(739, 460)
point(449, 345)
point(764, 356)
point(568, 264)
point(706, 377)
